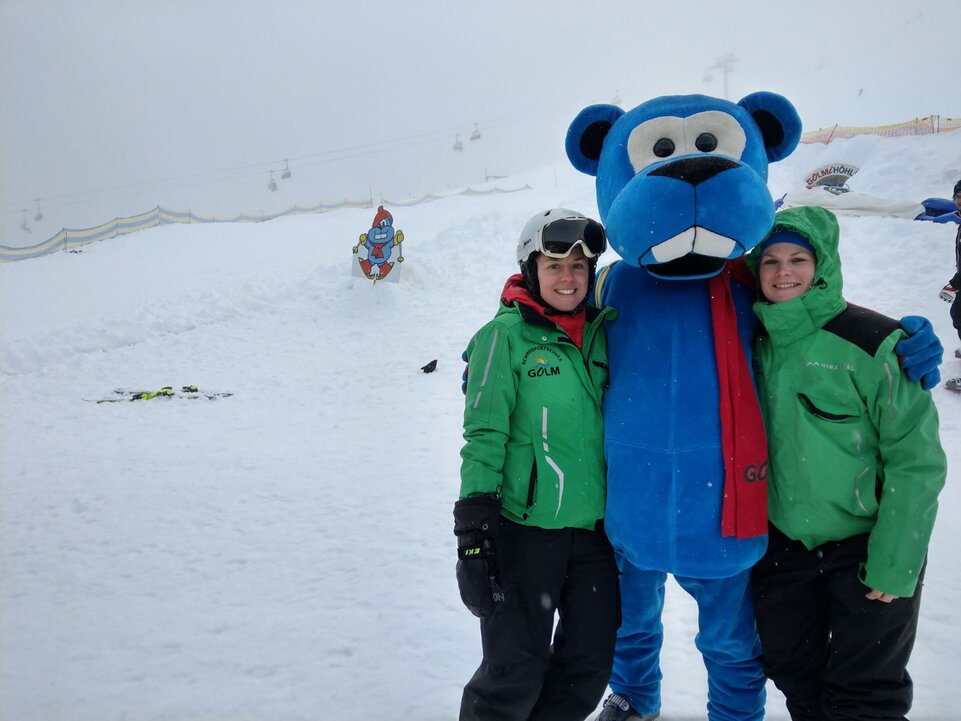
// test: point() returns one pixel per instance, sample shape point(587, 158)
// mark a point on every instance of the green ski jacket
point(532, 422)
point(854, 445)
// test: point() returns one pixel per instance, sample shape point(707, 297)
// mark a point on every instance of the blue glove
point(921, 352)
point(463, 385)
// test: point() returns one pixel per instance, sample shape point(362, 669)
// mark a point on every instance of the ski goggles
point(558, 238)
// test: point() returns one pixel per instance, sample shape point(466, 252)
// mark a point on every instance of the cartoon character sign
point(682, 190)
point(379, 242)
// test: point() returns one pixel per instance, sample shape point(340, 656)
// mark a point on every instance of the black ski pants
point(833, 653)
point(954, 283)
point(956, 313)
point(523, 676)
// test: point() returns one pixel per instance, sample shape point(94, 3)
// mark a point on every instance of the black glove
point(475, 524)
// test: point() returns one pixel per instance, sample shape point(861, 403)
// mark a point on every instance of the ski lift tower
point(725, 64)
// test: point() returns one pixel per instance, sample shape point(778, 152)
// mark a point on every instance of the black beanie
point(957, 187)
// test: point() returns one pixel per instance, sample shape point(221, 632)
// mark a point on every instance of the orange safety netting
point(919, 126)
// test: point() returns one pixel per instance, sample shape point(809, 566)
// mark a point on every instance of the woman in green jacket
point(529, 522)
point(856, 466)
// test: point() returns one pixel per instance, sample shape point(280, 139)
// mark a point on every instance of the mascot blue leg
point(637, 672)
point(726, 639)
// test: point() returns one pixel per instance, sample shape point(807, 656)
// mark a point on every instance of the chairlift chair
point(39, 215)
point(475, 135)
point(286, 174)
point(458, 145)
point(272, 185)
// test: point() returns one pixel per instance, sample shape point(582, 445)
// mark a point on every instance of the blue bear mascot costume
point(682, 190)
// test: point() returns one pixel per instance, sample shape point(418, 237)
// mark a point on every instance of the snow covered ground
point(286, 553)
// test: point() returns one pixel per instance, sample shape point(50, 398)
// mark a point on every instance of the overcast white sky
point(110, 107)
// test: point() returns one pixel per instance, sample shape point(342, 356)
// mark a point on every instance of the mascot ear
point(585, 137)
point(778, 121)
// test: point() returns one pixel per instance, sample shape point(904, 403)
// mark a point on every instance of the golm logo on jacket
point(545, 362)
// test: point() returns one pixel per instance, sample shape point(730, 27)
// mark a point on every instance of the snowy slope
point(286, 553)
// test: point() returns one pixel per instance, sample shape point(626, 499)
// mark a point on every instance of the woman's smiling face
point(785, 271)
point(563, 281)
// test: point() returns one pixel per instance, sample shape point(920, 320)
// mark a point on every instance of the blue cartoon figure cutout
point(379, 243)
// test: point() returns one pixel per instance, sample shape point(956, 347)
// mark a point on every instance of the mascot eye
point(706, 142)
point(664, 147)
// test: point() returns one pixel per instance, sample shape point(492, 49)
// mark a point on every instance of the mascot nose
point(695, 170)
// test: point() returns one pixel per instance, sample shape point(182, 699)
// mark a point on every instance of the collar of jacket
point(788, 322)
point(593, 321)
point(532, 316)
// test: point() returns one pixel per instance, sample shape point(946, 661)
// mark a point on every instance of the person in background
point(950, 292)
point(856, 465)
point(529, 522)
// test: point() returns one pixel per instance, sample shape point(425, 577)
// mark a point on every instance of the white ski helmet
point(555, 233)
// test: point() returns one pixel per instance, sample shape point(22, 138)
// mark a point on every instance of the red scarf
point(515, 289)
point(744, 442)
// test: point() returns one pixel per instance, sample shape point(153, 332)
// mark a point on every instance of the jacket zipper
point(531, 486)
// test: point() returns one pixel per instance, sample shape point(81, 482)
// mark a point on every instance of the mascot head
point(682, 180)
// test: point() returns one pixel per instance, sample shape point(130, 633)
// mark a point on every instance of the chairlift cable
point(331, 155)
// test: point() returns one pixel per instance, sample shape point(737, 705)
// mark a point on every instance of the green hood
point(786, 322)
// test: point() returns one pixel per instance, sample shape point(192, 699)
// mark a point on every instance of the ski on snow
point(124, 395)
